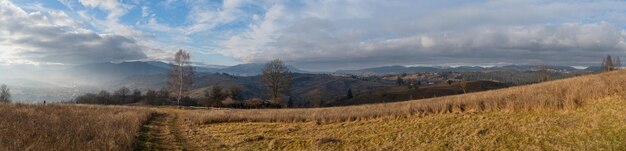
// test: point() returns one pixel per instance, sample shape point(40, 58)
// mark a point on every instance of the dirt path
point(161, 132)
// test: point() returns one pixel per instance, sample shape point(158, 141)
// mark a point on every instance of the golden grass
point(554, 95)
point(70, 127)
point(597, 125)
point(581, 113)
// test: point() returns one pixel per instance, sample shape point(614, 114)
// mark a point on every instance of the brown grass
point(69, 127)
point(554, 95)
point(596, 125)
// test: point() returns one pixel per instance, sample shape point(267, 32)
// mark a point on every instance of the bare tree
point(121, 95)
point(104, 97)
point(608, 64)
point(399, 80)
point(163, 97)
point(277, 78)
point(136, 95)
point(151, 97)
point(214, 96)
point(5, 94)
point(618, 63)
point(235, 93)
point(180, 77)
point(464, 84)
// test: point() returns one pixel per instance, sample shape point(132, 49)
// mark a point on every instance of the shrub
point(229, 102)
point(254, 103)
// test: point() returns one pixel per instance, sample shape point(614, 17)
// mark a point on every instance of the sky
point(316, 35)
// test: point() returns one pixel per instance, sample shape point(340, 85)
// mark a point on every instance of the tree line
point(275, 75)
point(126, 96)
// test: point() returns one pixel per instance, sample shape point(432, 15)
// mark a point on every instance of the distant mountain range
point(126, 69)
point(114, 71)
point(100, 74)
point(252, 69)
point(403, 69)
point(63, 82)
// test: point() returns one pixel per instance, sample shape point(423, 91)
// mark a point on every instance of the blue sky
point(314, 35)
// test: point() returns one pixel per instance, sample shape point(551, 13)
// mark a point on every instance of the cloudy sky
point(313, 34)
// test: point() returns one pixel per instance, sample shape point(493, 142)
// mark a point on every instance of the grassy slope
point(565, 94)
point(70, 127)
point(582, 113)
point(596, 125)
point(403, 93)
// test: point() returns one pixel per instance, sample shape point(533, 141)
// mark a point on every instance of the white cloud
point(68, 3)
point(53, 38)
point(145, 12)
point(114, 8)
point(322, 34)
point(248, 43)
point(205, 16)
point(427, 42)
point(332, 34)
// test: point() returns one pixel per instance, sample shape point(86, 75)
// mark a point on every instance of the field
point(70, 127)
point(599, 125)
point(403, 93)
point(563, 94)
point(580, 113)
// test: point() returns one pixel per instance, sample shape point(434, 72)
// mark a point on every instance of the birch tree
point(180, 77)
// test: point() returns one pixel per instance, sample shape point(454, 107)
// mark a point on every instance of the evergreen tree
point(349, 95)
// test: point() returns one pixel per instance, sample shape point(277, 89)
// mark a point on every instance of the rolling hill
point(252, 69)
point(414, 69)
point(579, 113)
point(403, 93)
point(305, 87)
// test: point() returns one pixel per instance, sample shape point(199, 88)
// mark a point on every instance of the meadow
point(70, 127)
point(597, 125)
point(564, 94)
point(579, 113)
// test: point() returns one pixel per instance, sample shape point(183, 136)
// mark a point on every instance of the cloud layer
point(55, 38)
point(346, 34)
point(316, 34)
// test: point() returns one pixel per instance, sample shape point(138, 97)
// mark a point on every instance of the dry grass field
point(580, 113)
point(70, 127)
point(598, 125)
point(562, 94)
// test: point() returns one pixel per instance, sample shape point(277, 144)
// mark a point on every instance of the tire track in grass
point(160, 132)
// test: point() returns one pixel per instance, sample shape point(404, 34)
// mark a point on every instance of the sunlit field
point(70, 127)
point(579, 113)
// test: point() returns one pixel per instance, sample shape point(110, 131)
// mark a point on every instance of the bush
point(254, 103)
point(229, 102)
